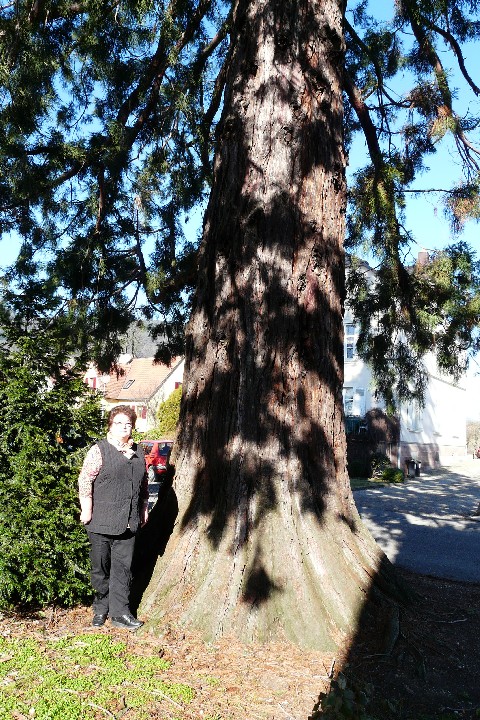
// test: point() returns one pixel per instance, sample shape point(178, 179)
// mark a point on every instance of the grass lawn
point(365, 483)
point(55, 666)
point(83, 677)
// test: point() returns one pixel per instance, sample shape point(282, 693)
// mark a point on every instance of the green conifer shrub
point(47, 422)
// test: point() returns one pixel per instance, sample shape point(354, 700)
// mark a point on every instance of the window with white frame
point(348, 400)
point(414, 417)
point(350, 347)
point(354, 401)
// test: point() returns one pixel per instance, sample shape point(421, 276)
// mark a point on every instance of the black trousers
point(111, 559)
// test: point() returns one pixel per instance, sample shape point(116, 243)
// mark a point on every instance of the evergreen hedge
point(46, 428)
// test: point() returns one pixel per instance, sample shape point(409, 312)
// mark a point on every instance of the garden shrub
point(344, 701)
point(46, 427)
point(168, 413)
point(382, 469)
point(393, 475)
point(378, 463)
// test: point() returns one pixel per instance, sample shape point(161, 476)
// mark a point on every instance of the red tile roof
point(146, 375)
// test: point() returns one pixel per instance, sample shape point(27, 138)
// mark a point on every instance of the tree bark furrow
point(260, 458)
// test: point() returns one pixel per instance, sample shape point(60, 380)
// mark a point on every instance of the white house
point(434, 434)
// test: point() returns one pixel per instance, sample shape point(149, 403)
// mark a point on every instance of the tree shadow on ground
point(418, 659)
point(425, 524)
point(413, 661)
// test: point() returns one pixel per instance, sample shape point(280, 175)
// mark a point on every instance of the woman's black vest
point(116, 491)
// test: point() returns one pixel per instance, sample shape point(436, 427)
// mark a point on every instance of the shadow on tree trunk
point(269, 545)
point(152, 539)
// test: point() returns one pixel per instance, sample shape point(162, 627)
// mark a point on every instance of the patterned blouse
point(93, 463)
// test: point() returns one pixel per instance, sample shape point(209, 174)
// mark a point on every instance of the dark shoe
point(128, 622)
point(99, 619)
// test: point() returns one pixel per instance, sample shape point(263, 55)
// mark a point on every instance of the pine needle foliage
point(104, 152)
point(108, 120)
point(46, 421)
point(404, 125)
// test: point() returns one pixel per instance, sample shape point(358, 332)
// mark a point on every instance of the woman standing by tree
point(113, 494)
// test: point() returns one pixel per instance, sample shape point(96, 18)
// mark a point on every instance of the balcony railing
point(355, 425)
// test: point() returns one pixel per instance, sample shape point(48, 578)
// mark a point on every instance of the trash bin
point(418, 467)
point(410, 466)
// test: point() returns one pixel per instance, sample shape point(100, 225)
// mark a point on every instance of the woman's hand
point(85, 517)
point(87, 510)
point(144, 514)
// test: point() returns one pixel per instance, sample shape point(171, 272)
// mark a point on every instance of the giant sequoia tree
point(269, 540)
point(109, 125)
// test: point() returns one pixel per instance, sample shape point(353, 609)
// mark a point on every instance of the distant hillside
point(137, 342)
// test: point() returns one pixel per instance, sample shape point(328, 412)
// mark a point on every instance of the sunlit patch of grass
point(212, 681)
point(365, 483)
point(82, 677)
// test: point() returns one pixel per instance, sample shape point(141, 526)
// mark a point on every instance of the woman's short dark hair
point(122, 410)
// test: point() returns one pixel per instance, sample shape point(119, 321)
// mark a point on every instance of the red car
point(157, 455)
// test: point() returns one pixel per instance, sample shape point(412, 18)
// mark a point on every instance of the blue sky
point(424, 214)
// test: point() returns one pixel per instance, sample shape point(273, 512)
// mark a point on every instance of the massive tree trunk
point(268, 543)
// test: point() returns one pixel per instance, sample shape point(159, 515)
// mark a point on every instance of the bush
point(379, 462)
point(169, 412)
point(381, 469)
point(392, 475)
point(344, 701)
point(43, 549)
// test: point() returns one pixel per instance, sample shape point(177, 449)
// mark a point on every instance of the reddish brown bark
point(268, 543)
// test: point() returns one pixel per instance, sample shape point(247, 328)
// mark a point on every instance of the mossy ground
point(78, 676)
point(55, 667)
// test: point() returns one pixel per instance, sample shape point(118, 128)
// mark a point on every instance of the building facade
point(434, 434)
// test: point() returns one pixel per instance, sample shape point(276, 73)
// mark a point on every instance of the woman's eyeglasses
point(119, 422)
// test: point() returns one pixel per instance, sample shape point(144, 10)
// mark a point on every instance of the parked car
point(157, 456)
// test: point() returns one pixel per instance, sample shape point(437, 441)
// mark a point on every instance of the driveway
point(428, 524)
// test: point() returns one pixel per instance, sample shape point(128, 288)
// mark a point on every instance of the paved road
point(428, 524)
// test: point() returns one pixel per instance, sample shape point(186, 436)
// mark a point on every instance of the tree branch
point(456, 49)
point(210, 48)
point(53, 13)
point(101, 197)
point(446, 110)
point(363, 114)
point(156, 70)
point(378, 72)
